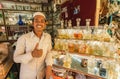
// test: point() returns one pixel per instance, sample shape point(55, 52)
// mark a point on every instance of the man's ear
point(46, 21)
point(32, 19)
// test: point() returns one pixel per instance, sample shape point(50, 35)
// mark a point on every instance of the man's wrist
point(48, 72)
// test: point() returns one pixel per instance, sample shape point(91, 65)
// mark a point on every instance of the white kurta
point(31, 68)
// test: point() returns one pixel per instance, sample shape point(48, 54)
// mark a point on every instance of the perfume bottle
point(62, 24)
point(67, 61)
point(88, 23)
point(78, 22)
point(66, 24)
point(69, 24)
point(20, 22)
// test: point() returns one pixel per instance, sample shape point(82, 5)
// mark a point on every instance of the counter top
point(5, 66)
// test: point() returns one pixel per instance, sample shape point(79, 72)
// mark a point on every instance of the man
point(33, 51)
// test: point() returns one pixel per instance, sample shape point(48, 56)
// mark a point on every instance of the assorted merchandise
point(16, 18)
point(89, 50)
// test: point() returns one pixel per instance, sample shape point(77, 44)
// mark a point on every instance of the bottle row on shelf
point(88, 47)
point(108, 69)
point(19, 18)
point(86, 34)
point(14, 32)
point(92, 50)
point(15, 18)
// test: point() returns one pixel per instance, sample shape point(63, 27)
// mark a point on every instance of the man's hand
point(48, 72)
point(37, 52)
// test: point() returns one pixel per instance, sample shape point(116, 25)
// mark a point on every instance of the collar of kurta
point(33, 34)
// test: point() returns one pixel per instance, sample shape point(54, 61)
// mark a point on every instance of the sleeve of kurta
point(49, 60)
point(20, 56)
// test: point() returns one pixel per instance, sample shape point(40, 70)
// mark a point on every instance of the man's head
point(39, 21)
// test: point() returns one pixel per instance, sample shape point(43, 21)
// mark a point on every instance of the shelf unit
point(9, 15)
point(99, 66)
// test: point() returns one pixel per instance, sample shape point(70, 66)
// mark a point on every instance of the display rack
point(6, 68)
point(94, 46)
point(12, 11)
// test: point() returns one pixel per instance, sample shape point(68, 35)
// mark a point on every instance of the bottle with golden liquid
point(67, 61)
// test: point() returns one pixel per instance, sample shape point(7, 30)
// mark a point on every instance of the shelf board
point(12, 40)
point(7, 66)
point(25, 11)
point(48, 29)
point(18, 25)
point(57, 24)
point(96, 56)
point(24, 2)
point(81, 27)
point(88, 55)
point(4, 41)
point(78, 71)
point(15, 10)
point(49, 24)
point(84, 40)
point(7, 41)
point(2, 25)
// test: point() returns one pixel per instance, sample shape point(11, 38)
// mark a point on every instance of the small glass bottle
point(69, 24)
point(20, 22)
point(88, 23)
point(78, 22)
point(67, 61)
point(62, 24)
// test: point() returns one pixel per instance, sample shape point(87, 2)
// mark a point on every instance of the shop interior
point(85, 36)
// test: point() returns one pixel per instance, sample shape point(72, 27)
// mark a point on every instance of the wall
point(87, 10)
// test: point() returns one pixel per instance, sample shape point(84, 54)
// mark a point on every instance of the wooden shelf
point(27, 7)
point(19, 26)
point(25, 11)
point(25, 2)
point(96, 56)
point(87, 55)
point(4, 41)
point(57, 24)
point(76, 71)
point(74, 39)
point(2, 25)
point(15, 10)
point(7, 66)
point(12, 40)
point(81, 27)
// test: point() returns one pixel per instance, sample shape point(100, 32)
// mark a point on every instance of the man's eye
point(41, 21)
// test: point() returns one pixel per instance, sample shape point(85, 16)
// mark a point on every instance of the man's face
point(39, 23)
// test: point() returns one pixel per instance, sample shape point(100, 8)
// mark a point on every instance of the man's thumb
point(36, 46)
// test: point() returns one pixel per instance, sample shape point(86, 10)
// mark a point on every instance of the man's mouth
point(39, 26)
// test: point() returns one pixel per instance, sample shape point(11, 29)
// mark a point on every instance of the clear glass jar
point(67, 61)
point(91, 65)
point(71, 46)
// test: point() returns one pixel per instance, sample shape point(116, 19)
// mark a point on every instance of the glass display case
point(90, 52)
point(16, 18)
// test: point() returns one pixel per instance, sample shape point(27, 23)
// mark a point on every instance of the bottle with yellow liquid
point(67, 61)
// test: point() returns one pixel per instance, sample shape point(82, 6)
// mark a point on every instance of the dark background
point(87, 10)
